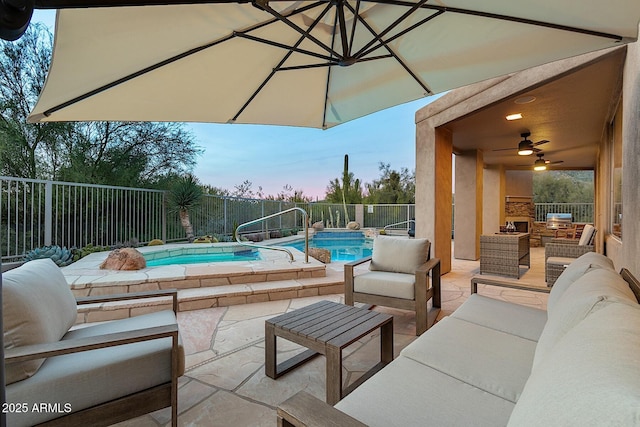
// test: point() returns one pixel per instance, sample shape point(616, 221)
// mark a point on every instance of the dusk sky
point(306, 159)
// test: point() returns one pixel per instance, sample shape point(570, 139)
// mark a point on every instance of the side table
point(327, 328)
point(504, 253)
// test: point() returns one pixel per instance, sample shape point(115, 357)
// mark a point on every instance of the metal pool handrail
point(278, 248)
point(399, 223)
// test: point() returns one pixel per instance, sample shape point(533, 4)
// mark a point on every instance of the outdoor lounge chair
point(94, 375)
point(561, 252)
point(398, 277)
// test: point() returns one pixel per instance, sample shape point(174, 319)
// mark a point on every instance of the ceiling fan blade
point(549, 162)
point(505, 149)
point(542, 141)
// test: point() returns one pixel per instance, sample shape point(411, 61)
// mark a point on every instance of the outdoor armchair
point(398, 277)
point(561, 252)
point(94, 375)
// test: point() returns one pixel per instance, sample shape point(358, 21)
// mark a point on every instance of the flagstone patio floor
point(225, 382)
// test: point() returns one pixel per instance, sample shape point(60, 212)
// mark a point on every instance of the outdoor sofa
point(494, 363)
point(95, 375)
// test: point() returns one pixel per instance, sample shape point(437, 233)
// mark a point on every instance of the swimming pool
point(202, 258)
point(344, 246)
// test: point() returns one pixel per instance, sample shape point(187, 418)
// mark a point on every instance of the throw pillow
point(38, 307)
point(398, 254)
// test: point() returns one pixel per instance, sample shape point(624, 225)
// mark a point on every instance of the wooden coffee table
point(327, 328)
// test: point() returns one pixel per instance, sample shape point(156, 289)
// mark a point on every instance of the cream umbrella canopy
point(303, 63)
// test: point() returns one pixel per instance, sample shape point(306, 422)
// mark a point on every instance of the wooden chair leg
point(421, 318)
point(348, 285)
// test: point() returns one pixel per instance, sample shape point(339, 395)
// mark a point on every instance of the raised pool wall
point(205, 285)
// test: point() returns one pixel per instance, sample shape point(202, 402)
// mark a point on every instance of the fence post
point(408, 219)
point(48, 213)
point(224, 215)
point(164, 216)
point(359, 214)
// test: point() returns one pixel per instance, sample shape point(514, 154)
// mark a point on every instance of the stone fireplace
point(521, 211)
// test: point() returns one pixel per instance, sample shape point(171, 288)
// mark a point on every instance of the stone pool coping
point(199, 286)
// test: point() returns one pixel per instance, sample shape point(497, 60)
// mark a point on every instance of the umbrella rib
point(401, 33)
point(132, 76)
point(304, 67)
point(343, 29)
point(378, 37)
point(283, 46)
point(282, 61)
point(355, 12)
point(167, 61)
point(394, 24)
point(332, 64)
point(264, 5)
point(326, 89)
point(504, 18)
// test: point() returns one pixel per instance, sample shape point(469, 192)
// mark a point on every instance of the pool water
point(344, 246)
point(248, 255)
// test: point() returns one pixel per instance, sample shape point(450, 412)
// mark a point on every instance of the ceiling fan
point(541, 164)
point(526, 147)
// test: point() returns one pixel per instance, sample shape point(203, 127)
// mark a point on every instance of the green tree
point(184, 194)
point(563, 187)
point(288, 194)
point(128, 153)
point(117, 153)
point(392, 186)
point(246, 190)
point(27, 150)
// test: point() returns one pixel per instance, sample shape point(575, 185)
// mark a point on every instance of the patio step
point(218, 296)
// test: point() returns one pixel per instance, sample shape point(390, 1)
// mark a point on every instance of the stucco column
point(468, 211)
point(493, 192)
point(433, 190)
point(631, 154)
point(360, 215)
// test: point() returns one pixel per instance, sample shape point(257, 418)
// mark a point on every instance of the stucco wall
point(468, 212)
point(631, 160)
point(492, 201)
point(519, 183)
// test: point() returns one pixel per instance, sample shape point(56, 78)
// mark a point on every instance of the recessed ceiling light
point(525, 100)
point(516, 116)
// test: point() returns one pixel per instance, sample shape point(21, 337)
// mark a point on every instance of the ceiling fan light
point(540, 165)
point(525, 148)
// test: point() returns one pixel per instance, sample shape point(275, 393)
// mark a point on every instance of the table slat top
point(326, 321)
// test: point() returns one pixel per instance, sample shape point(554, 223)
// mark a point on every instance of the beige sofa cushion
point(397, 285)
point(408, 393)
point(476, 355)
point(38, 307)
point(593, 291)
point(398, 255)
point(576, 269)
point(591, 378)
point(515, 319)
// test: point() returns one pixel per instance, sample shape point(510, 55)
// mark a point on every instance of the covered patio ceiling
point(571, 111)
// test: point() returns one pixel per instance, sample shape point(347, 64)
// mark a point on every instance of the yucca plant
point(185, 193)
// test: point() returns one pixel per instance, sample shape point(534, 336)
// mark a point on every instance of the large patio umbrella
point(303, 63)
